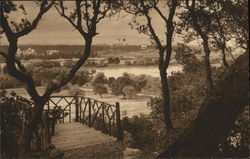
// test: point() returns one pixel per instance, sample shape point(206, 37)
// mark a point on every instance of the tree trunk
point(224, 59)
point(207, 51)
point(30, 127)
point(216, 116)
point(166, 100)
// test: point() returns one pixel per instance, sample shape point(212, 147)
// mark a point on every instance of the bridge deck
point(70, 136)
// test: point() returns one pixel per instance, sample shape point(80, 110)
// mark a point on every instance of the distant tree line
point(143, 61)
point(68, 51)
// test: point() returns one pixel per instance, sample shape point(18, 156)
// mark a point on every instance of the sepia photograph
point(124, 79)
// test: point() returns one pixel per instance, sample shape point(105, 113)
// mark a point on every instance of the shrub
point(46, 64)
point(102, 64)
point(11, 125)
point(99, 78)
point(237, 143)
point(69, 63)
point(93, 71)
point(113, 60)
point(7, 81)
point(126, 79)
point(129, 91)
point(81, 78)
point(143, 132)
point(127, 62)
point(149, 134)
point(100, 89)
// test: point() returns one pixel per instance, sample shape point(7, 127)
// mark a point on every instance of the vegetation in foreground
point(189, 87)
point(224, 100)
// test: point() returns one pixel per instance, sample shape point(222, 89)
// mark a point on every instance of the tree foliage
point(216, 116)
point(11, 124)
point(118, 84)
point(100, 89)
point(129, 91)
point(99, 79)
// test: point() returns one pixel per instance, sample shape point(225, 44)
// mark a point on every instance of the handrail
point(83, 97)
point(88, 111)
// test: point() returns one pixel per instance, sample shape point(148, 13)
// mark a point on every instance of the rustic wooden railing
point(65, 104)
point(93, 113)
point(42, 135)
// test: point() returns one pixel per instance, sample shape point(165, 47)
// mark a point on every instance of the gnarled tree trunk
point(216, 116)
point(30, 127)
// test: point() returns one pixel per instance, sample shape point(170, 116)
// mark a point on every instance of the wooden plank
point(70, 136)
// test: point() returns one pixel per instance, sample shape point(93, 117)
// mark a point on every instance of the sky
point(53, 29)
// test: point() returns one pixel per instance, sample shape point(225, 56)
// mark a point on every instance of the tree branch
point(96, 8)
point(76, 26)
point(43, 9)
point(169, 34)
point(103, 14)
point(151, 28)
point(5, 25)
point(159, 12)
point(87, 15)
point(54, 86)
point(18, 62)
point(79, 13)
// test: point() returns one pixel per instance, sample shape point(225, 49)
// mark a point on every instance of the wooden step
point(70, 136)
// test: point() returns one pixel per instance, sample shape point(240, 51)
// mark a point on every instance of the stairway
point(74, 136)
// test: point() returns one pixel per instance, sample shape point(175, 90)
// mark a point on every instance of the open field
point(129, 107)
point(137, 70)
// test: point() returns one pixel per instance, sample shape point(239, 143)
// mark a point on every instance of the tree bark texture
point(30, 127)
point(207, 51)
point(166, 100)
point(224, 58)
point(216, 116)
point(204, 36)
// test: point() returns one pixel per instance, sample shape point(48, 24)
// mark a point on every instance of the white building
point(51, 52)
point(144, 46)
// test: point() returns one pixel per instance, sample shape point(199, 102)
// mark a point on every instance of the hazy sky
point(53, 29)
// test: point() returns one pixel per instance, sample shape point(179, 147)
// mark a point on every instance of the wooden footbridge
point(84, 122)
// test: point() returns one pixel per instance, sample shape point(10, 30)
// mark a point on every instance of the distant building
point(51, 52)
point(144, 46)
point(28, 51)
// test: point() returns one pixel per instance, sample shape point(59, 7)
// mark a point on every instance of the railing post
point(103, 118)
point(119, 131)
point(48, 127)
point(80, 111)
point(89, 124)
point(48, 106)
point(77, 109)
